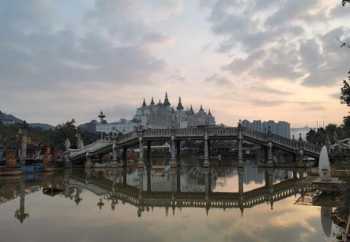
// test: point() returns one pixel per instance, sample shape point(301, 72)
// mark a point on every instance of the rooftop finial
point(152, 101)
point(166, 100)
point(179, 106)
point(209, 113)
point(102, 116)
point(201, 109)
point(191, 110)
point(144, 103)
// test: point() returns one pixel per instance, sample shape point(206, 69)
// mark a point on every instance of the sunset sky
point(243, 59)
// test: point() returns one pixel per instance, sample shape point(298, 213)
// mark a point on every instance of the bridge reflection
point(172, 189)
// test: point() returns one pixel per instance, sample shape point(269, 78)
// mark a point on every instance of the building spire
point(152, 101)
point(209, 113)
point(144, 103)
point(201, 109)
point(191, 110)
point(166, 100)
point(179, 105)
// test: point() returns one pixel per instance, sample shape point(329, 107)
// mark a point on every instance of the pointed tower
point(152, 101)
point(191, 110)
point(179, 105)
point(201, 109)
point(209, 113)
point(144, 103)
point(166, 100)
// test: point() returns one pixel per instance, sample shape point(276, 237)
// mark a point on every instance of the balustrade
point(221, 132)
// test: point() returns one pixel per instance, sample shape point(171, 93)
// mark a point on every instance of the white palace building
point(158, 116)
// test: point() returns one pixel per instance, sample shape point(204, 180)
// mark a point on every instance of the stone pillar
point(125, 173)
point(148, 154)
point(149, 181)
point(20, 213)
point(206, 149)
point(141, 160)
point(114, 151)
point(23, 153)
point(207, 189)
point(269, 185)
point(241, 189)
point(240, 146)
point(269, 153)
point(125, 157)
point(178, 179)
point(178, 152)
point(88, 162)
point(300, 160)
point(140, 193)
point(172, 152)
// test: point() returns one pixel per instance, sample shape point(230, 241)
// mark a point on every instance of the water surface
point(187, 204)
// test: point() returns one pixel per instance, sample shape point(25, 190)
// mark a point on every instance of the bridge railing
point(127, 137)
point(222, 131)
point(254, 134)
point(218, 131)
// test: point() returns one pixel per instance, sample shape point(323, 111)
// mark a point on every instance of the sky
point(243, 59)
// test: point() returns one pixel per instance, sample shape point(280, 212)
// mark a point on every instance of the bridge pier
point(269, 185)
point(148, 154)
point(173, 152)
point(124, 157)
point(125, 173)
point(114, 151)
point(206, 149)
point(140, 163)
point(240, 146)
point(178, 179)
point(241, 189)
point(178, 152)
point(300, 161)
point(88, 162)
point(140, 190)
point(149, 181)
point(270, 153)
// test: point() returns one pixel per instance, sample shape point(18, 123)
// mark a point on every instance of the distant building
point(158, 116)
point(123, 126)
point(280, 128)
point(300, 132)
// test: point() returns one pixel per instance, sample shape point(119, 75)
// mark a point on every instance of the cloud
point(269, 90)
point(285, 40)
point(218, 79)
point(108, 45)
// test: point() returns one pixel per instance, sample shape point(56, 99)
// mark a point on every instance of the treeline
point(55, 137)
point(331, 133)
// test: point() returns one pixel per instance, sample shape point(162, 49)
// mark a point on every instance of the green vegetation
point(9, 134)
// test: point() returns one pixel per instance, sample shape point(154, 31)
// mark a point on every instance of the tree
point(345, 91)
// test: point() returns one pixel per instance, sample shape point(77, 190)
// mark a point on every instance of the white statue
point(324, 167)
point(67, 144)
point(80, 142)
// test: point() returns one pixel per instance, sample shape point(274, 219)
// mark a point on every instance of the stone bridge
point(142, 137)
